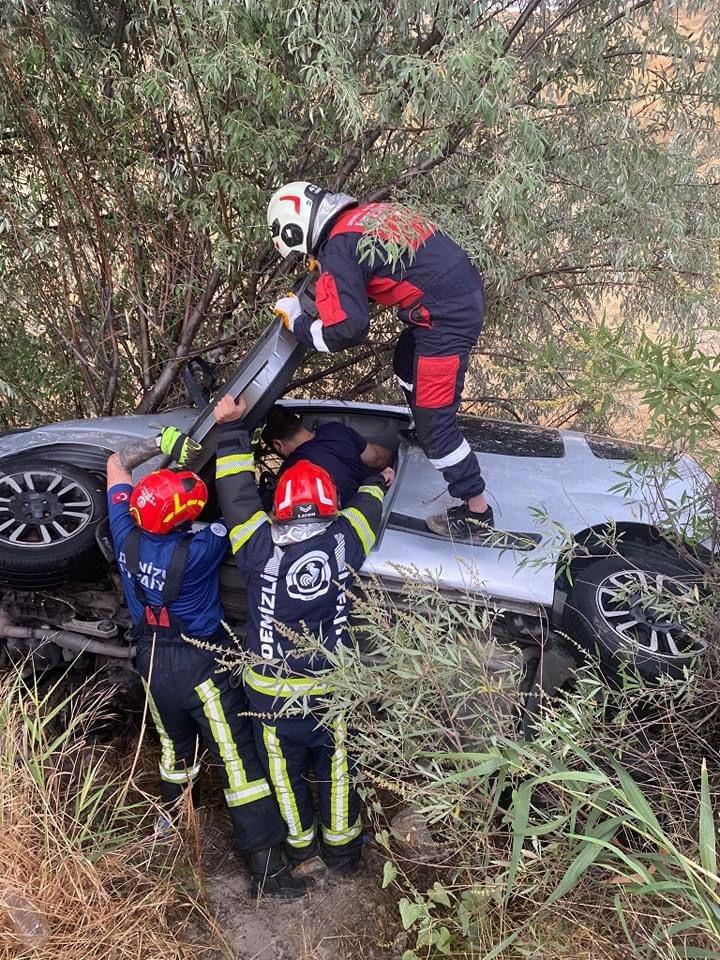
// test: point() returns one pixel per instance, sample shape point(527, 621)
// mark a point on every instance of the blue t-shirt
point(337, 449)
point(198, 604)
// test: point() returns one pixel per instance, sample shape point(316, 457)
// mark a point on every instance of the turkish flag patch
point(122, 496)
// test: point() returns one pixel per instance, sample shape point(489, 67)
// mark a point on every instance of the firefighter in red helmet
point(171, 582)
point(298, 564)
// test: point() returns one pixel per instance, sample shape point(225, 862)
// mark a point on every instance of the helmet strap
point(317, 200)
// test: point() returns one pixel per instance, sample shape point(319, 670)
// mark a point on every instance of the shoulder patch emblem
point(218, 529)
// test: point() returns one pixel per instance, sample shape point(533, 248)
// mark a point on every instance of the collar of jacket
point(285, 534)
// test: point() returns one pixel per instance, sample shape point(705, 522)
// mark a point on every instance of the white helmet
point(298, 214)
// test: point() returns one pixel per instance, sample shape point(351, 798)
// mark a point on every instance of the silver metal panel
point(106, 433)
point(574, 489)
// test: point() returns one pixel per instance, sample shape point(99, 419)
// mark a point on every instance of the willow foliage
point(570, 146)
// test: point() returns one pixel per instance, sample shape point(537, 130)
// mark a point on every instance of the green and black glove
point(176, 444)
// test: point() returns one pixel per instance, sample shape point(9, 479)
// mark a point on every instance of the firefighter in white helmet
point(439, 296)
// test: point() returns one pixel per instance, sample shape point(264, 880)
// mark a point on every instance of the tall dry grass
point(77, 840)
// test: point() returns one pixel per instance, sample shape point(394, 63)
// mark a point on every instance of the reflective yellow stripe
point(285, 686)
point(360, 525)
point(235, 798)
point(242, 532)
point(240, 790)
point(339, 839)
point(372, 490)
point(169, 771)
point(340, 831)
point(281, 782)
point(234, 463)
point(339, 780)
point(178, 776)
point(302, 839)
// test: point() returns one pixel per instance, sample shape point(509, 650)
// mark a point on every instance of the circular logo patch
point(218, 529)
point(309, 577)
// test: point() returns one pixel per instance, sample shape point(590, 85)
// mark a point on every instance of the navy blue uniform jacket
point(198, 605)
point(296, 591)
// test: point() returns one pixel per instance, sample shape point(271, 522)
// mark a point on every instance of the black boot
point(271, 877)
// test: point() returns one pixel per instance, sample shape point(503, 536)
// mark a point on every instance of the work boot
point(462, 523)
point(296, 855)
point(306, 862)
point(271, 876)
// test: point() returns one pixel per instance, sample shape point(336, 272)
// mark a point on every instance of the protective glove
point(288, 309)
point(174, 443)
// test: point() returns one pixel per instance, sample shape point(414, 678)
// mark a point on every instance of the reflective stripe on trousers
point(240, 790)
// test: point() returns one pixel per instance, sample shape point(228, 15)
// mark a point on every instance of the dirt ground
point(340, 918)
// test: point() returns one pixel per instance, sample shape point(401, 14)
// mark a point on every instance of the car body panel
point(545, 497)
point(541, 482)
point(261, 377)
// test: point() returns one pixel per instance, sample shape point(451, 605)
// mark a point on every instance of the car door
point(261, 377)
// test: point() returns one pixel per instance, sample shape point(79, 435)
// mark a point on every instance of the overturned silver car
point(617, 592)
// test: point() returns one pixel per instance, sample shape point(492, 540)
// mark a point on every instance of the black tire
point(49, 513)
point(615, 610)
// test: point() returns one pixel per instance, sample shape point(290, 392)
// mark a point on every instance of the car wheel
point(49, 513)
point(641, 609)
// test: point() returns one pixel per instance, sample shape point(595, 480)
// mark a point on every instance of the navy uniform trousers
point(192, 704)
point(430, 364)
point(290, 748)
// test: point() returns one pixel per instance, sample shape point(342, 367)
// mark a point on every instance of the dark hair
point(280, 424)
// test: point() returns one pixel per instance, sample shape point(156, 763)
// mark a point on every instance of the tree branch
point(370, 137)
point(459, 131)
point(152, 400)
point(373, 351)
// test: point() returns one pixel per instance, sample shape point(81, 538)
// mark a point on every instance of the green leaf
point(442, 940)
point(636, 800)
point(410, 912)
point(707, 841)
point(389, 873)
point(521, 813)
point(438, 894)
point(503, 945)
point(589, 852)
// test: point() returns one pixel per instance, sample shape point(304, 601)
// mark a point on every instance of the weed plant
point(76, 836)
point(596, 839)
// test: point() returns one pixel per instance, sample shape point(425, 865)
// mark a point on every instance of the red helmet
point(165, 498)
point(305, 492)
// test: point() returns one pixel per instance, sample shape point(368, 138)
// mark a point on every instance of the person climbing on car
point(339, 449)
point(439, 295)
point(298, 564)
point(171, 581)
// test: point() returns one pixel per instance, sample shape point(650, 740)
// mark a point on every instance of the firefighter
point(298, 564)
point(171, 583)
point(440, 298)
point(335, 447)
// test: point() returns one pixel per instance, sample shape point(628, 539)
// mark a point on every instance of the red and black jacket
point(429, 284)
